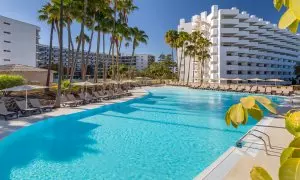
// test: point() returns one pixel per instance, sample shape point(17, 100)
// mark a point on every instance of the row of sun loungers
point(285, 91)
point(96, 96)
point(34, 107)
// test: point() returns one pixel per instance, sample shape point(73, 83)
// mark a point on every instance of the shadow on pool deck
point(57, 141)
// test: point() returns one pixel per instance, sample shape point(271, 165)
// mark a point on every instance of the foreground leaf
point(278, 4)
point(287, 19)
point(295, 143)
point(256, 113)
point(259, 173)
point(292, 123)
point(262, 100)
point(290, 170)
point(288, 153)
point(237, 114)
point(248, 102)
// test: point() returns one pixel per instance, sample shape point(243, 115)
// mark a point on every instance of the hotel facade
point(140, 61)
point(18, 42)
point(243, 46)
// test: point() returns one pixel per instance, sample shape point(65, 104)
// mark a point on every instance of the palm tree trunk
point(184, 58)
point(113, 60)
point(179, 71)
point(50, 55)
point(131, 61)
point(70, 49)
point(76, 56)
point(188, 78)
point(104, 58)
point(117, 62)
point(58, 95)
point(173, 54)
point(89, 51)
point(194, 70)
point(97, 59)
point(83, 44)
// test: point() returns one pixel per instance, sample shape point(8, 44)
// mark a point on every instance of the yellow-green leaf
point(245, 116)
point(292, 122)
point(295, 143)
point(294, 26)
point(290, 170)
point(278, 4)
point(262, 100)
point(237, 114)
point(256, 112)
point(287, 19)
point(270, 108)
point(248, 102)
point(289, 153)
point(259, 173)
point(227, 117)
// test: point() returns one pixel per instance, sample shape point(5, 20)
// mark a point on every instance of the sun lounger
point(247, 89)
point(71, 97)
point(273, 90)
point(36, 104)
point(94, 99)
point(103, 95)
point(26, 110)
point(66, 102)
point(253, 89)
point(261, 89)
point(268, 90)
point(233, 87)
point(5, 113)
point(240, 88)
point(278, 91)
point(85, 98)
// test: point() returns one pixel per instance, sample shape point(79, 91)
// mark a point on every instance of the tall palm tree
point(171, 37)
point(190, 50)
point(138, 36)
point(45, 15)
point(60, 69)
point(183, 37)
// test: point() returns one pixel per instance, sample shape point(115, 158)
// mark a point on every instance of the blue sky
point(154, 16)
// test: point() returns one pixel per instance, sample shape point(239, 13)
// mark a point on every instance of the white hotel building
point(18, 42)
point(243, 46)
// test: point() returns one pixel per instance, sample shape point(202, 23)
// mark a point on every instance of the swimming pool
point(172, 133)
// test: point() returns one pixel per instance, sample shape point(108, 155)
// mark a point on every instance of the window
point(6, 23)
point(7, 41)
point(6, 32)
point(6, 50)
point(6, 59)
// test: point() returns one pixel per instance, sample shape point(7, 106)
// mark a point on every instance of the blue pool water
point(172, 133)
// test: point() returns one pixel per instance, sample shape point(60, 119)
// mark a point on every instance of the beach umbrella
point(24, 88)
point(255, 79)
point(275, 80)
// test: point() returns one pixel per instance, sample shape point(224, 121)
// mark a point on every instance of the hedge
point(8, 81)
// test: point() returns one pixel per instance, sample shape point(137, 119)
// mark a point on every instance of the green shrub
point(8, 81)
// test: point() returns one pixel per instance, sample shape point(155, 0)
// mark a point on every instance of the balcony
point(214, 50)
point(214, 32)
point(230, 49)
point(229, 30)
point(243, 33)
point(230, 39)
point(214, 59)
point(230, 21)
point(243, 42)
point(242, 25)
point(253, 36)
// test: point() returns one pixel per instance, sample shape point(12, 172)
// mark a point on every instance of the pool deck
point(236, 163)
point(10, 126)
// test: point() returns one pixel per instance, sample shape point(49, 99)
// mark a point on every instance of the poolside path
point(236, 163)
point(10, 126)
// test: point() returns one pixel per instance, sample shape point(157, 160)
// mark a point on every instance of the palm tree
point(45, 15)
point(171, 37)
point(183, 37)
point(138, 36)
point(60, 69)
point(190, 51)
